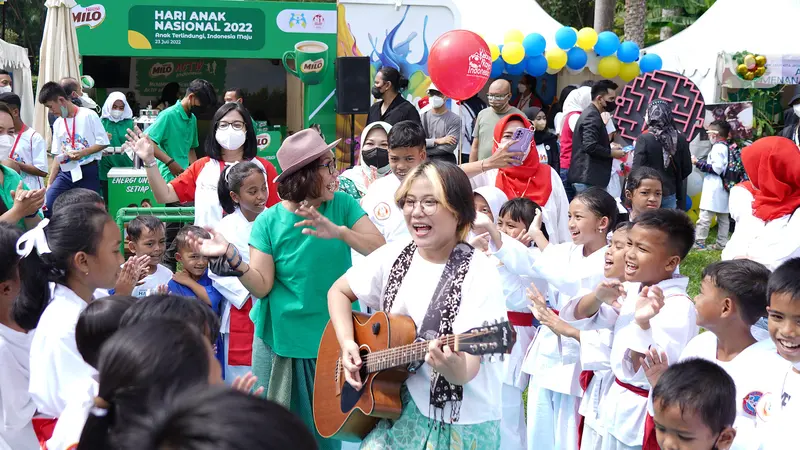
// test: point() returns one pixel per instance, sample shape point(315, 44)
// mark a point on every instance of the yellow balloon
point(513, 53)
point(629, 71)
point(495, 51)
point(609, 67)
point(587, 37)
point(556, 58)
point(513, 36)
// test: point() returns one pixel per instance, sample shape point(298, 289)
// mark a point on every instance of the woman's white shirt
point(70, 424)
point(55, 364)
point(236, 230)
point(16, 406)
point(481, 301)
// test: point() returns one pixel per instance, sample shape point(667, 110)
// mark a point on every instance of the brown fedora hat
point(300, 149)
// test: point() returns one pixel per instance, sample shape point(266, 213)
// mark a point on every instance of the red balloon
point(459, 64)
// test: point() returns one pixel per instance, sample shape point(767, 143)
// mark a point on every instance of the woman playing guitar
point(446, 287)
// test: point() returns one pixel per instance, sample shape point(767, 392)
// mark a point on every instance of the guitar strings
point(384, 356)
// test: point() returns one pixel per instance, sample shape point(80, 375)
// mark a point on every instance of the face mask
point(437, 101)
point(522, 88)
point(4, 89)
point(6, 142)
point(376, 92)
point(610, 106)
point(796, 109)
point(64, 111)
point(376, 157)
point(116, 114)
point(540, 124)
point(230, 139)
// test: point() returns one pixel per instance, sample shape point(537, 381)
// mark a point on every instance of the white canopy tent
point(14, 59)
point(766, 27)
point(493, 21)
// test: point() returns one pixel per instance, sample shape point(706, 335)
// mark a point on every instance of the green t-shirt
point(11, 181)
point(175, 132)
point(117, 132)
point(292, 317)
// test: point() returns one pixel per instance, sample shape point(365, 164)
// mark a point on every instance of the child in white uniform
point(733, 296)
point(16, 406)
point(552, 359)
point(657, 242)
point(714, 198)
point(243, 195)
point(78, 250)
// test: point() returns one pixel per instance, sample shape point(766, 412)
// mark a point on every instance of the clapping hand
point(648, 305)
point(655, 364)
point(609, 292)
point(27, 203)
point(545, 315)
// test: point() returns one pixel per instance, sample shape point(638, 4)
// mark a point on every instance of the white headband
point(34, 238)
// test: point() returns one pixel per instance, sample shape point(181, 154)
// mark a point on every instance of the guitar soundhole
point(350, 396)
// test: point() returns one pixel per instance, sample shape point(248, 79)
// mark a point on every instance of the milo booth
point(276, 55)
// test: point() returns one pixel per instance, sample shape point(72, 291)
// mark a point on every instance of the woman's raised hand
point(316, 224)
point(216, 246)
point(142, 145)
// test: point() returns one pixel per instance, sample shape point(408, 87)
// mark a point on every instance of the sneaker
point(716, 247)
point(699, 245)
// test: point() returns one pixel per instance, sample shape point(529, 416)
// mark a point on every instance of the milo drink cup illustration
point(310, 61)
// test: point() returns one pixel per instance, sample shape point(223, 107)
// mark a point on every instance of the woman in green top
point(298, 249)
point(117, 119)
point(18, 205)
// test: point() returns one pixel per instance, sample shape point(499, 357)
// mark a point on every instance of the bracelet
point(169, 163)
point(233, 258)
point(150, 164)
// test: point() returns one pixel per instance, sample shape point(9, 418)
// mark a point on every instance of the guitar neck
point(404, 355)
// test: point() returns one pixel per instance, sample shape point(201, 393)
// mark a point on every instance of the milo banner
point(268, 140)
point(153, 74)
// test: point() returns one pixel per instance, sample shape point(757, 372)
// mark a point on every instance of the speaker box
point(353, 85)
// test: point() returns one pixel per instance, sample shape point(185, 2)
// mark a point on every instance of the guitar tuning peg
point(485, 323)
point(502, 357)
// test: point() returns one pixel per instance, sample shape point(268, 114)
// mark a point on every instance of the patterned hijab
point(661, 125)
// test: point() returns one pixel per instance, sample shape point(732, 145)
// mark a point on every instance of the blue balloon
point(576, 58)
point(607, 43)
point(566, 38)
point(534, 44)
point(688, 203)
point(498, 67)
point(536, 65)
point(628, 52)
point(650, 62)
point(516, 69)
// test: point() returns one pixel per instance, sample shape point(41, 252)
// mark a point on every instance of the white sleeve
point(231, 288)
point(518, 258)
point(485, 291)
point(718, 158)
point(39, 152)
point(55, 147)
point(604, 319)
point(366, 276)
point(559, 197)
point(50, 392)
point(596, 350)
point(670, 330)
point(96, 127)
point(15, 402)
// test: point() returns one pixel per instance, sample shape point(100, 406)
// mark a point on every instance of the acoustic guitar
point(388, 345)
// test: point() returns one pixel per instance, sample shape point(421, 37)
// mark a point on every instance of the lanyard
point(72, 135)
point(16, 141)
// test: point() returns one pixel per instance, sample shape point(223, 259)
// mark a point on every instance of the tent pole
point(4, 21)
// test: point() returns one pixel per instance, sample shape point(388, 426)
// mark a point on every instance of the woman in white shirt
point(79, 251)
point(403, 278)
point(765, 208)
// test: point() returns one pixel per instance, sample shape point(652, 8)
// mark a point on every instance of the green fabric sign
point(153, 74)
point(195, 28)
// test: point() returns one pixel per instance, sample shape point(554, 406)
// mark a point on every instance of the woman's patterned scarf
point(441, 313)
point(660, 124)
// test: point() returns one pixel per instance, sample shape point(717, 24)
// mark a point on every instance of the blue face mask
point(64, 111)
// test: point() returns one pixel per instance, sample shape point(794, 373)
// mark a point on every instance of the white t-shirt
point(55, 363)
point(16, 406)
point(161, 276)
point(31, 148)
point(778, 412)
point(70, 424)
point(236, 230)
point(79, 132)
point(482, 300)
point(379, 204)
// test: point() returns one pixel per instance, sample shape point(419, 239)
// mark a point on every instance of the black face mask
point(196, 110)
point(376, 157)
point(610, 106)
point(376, 92)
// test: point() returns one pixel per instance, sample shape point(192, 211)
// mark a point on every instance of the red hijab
point(531, 179)
point(773, 165)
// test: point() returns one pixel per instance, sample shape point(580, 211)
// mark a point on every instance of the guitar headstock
point(498, 337)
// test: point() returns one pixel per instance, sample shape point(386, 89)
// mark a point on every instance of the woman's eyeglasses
point(331, 165)
point(429, 206)
point(238, 125)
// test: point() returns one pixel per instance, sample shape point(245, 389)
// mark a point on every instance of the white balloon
point(552, 71)
point(592, 61)
point(694, 184)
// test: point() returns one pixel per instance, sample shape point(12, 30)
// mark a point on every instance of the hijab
point(539, 135)
point(661, 125)
point(773, 165)
point(112, 98)
point(576, 101)
point(531, 179)
point(494, 197)
point(359, 173)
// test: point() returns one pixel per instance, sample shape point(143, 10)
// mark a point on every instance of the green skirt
point(289, 382)
point(414, 431)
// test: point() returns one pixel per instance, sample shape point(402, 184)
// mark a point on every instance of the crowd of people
point(582, 258)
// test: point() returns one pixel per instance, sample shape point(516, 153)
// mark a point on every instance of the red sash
point(584, 380)
point(523, 319)
point(649, 442)
point(43, 427)
point(240, 342)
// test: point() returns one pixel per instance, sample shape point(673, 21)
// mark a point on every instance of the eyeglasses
point(496, 97)
point(429, 206)
point(331, 165)
point(238, 125)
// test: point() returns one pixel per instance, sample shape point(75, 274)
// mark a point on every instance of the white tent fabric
point(58, 56)
point(494, 20)
point(14, 59)
point(730, 26)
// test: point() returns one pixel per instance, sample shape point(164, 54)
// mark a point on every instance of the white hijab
point(362, 170)
point(113, 97)
point(495, 197)
point(576, 101)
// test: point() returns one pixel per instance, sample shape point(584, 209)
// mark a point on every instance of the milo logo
point(314, 66)
point(90, 16)
point(161, 70)
point(262, 140)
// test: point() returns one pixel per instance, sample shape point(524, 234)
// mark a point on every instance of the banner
point(769, 70)
point(153, 74)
